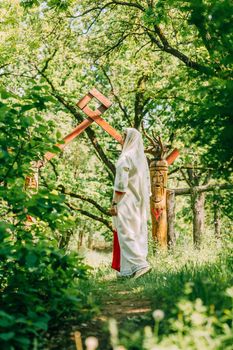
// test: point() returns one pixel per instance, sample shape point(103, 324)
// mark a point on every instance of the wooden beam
point(77, 131)
point(172, 156)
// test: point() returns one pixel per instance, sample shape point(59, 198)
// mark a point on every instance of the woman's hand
point(117, 197)
point(113, 210)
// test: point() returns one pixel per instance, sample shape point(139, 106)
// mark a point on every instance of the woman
point(131, 208)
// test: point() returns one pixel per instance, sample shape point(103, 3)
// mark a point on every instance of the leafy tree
point(150, 59)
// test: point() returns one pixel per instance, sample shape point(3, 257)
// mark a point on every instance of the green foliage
point(57, 4)
point(24, 138)
point(191, 293)
point(193, 326)
point(69, 47)
point(213, 21)
point(38, 287)
point(38, 282)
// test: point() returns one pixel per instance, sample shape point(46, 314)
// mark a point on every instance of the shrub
point(39, 288)
point(193, 327)
point(38, 282)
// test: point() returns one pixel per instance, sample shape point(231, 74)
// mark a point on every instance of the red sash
point(116, 252)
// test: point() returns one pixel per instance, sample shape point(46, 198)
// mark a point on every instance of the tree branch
point(164, 45)
point(123, 108)
point(90, 215)
point(46, 64)
point(203, 188)
point(140, 101)
point(101, 8)
point(2, 67)
point(130, 4)
point(62, 189)
point(187, 180)
point(157, 37)
point(83, 198)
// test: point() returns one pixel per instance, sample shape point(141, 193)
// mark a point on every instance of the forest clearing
point(116, 183)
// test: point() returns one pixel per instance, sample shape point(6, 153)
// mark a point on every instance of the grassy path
point(123, 302)
point(182, 276)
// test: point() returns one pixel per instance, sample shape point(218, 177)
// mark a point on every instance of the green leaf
point(27, 107)
point(7, 336)
point(6, 320)
point(31, 259)
point(22, 340)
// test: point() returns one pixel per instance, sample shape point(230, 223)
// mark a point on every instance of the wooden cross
point(92, 116)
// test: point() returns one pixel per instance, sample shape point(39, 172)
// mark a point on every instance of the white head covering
point(133, 148)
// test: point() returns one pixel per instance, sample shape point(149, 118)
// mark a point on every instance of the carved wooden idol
point(158, 172)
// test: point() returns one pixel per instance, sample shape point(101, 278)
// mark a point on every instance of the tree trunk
point(80, 239)
point(171, 202)
point(198, 201)
point(90, 241)
point(65, 239)
point(217, 220)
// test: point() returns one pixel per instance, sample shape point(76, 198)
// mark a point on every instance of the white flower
point(158, 315)
point(229, 292)
point(91, 343)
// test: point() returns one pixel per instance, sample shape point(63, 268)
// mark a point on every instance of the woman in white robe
point(130, 206)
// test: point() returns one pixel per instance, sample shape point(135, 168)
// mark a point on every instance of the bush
point(193, 327)
point(39, 288)
point(38, 282)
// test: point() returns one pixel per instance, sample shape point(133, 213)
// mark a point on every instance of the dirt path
point(120, 302)
point(117, 299)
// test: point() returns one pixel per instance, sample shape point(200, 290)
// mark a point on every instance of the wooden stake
point(78, 340)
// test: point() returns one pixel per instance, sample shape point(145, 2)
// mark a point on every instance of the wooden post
point(32, 182)
point(158, 173)
point(78, 340)
point(171, 202)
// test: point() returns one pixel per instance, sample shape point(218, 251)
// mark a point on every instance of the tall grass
point(187, 285)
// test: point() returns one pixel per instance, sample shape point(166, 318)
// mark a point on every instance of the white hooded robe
point(132, 177)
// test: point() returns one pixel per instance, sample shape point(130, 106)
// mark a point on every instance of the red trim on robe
point(118, 192)
point(116, 252)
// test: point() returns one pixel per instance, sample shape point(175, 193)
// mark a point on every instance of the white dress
point(131, 220)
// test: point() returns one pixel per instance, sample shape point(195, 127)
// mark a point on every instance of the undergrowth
point(192, 291)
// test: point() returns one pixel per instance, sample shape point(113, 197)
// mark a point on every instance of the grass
point(177, 277)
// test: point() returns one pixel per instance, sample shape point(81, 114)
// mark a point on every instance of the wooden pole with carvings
point(159, 176)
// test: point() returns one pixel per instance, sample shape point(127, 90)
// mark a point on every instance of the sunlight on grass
point(185, 285)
